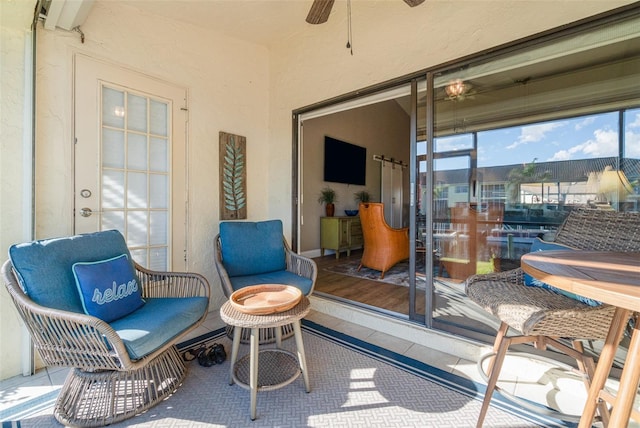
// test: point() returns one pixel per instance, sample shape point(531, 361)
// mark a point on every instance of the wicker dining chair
point(384, 246)
point(542, 316)
point(253, 253)
point(119, 368)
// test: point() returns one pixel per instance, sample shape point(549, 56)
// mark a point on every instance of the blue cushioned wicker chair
point(251, 253)
point(121, 366)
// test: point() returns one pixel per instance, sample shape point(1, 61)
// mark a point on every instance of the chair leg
point(502, 343)
point(502, 331)
point(588, 368)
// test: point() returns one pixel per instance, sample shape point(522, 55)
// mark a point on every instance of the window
point(462, 188)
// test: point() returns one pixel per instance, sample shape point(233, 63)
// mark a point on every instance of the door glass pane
point(158, 191)
point(140, 256)
point(137, 151)
point(136, 190)
point(451, 238)
point(540, 145)
point(630, 171)
point(137, 228)
point(136, 113)
point(157, 258)
point(113, 220)
point(159, 118)
point(159, 155)
point(452, 143)
point(158, 228)
point(112, 189)
point(113, 108)
point(112, 148)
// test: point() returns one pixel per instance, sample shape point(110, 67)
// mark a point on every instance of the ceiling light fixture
point(456, 89)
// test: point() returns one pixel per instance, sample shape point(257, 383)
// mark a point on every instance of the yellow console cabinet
point(339, 234)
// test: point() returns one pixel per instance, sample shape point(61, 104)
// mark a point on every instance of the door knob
point(86, 212)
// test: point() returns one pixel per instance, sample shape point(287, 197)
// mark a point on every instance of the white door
point(391, 193)
point(130, 168)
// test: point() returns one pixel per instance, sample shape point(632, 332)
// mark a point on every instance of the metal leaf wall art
point(233, 177)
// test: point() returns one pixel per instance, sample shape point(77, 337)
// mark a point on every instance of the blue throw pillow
point(108, 288)
point(540, 245)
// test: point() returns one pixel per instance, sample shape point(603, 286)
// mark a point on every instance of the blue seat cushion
point(44, 267)
point(250, 248)
point(158, 322)
point(540, 245)
point(280, 277)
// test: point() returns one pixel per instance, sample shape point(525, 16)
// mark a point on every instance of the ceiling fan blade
point(413, 3)
point(320, 10)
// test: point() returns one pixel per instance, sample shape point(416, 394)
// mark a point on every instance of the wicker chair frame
point(542, 316)
point(296, 264)
point(384, 246)
point(105, 385)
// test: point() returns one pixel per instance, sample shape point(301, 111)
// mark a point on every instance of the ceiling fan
point(320, 10)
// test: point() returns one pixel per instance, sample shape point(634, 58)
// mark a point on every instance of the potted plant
point(362, 196)
point(328, 197)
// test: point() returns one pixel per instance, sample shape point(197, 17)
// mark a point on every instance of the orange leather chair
point(384, 246)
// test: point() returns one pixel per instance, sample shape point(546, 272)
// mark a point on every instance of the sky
point(584, 137)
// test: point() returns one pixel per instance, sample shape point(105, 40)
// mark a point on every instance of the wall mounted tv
point(344, 162)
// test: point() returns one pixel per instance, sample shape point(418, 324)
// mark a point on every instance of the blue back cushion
point(108, 288)
point(44, 268)
point(249, 248)
point(540, 245)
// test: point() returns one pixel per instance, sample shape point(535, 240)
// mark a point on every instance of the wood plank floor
point(382, 295)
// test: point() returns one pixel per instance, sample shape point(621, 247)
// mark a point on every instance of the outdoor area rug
point(353, 384)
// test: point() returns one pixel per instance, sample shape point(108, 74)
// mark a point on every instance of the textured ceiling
point(265, 22)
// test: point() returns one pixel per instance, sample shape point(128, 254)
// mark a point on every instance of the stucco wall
point(15, 171)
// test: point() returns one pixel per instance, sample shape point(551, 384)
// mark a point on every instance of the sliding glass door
point(495, 151)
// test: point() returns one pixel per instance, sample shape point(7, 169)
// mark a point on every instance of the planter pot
point(330, 209)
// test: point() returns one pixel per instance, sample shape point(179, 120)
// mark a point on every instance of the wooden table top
point(609, 277)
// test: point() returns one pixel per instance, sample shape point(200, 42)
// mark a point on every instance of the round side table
point(281, 367)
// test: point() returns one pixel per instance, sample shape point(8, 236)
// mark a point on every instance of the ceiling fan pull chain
point(349, 33)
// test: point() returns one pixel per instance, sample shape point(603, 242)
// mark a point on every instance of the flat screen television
point(344, 162)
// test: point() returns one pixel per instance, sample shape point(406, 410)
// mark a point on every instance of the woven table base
point(267, 335)
point(92, 399)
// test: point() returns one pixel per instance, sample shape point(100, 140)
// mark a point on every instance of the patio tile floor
point(20, 390)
